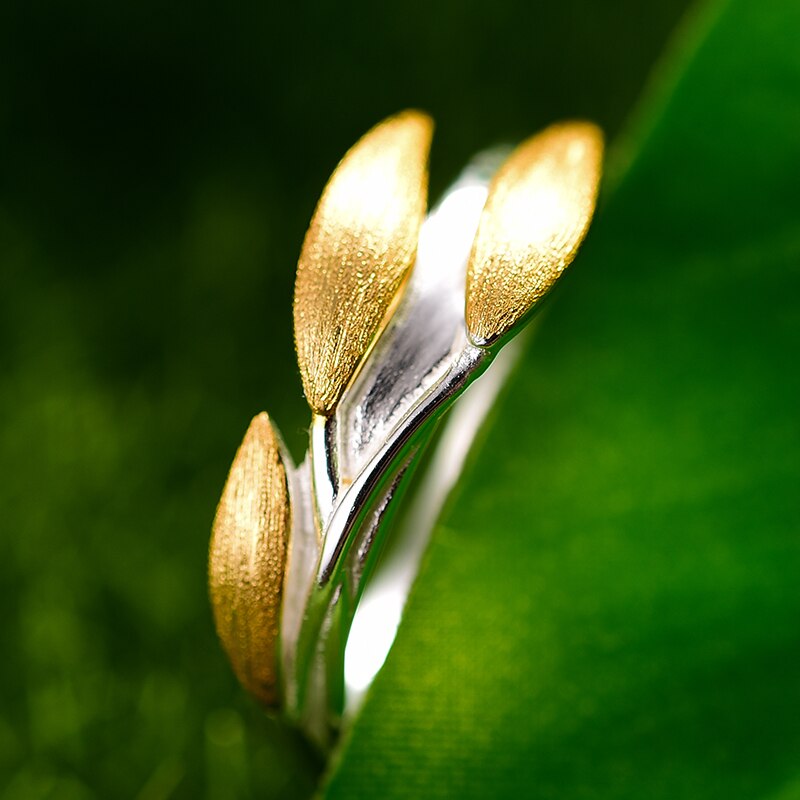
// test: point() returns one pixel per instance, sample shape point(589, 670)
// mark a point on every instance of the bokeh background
point(159, 166)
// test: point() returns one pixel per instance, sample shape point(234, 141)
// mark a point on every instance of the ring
point(396, 315)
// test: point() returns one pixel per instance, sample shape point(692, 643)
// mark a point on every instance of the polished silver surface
point(303, 555)
point(419, 344)
point(381, 606)
point(345, 493)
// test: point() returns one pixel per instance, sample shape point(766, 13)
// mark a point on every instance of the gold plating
point(538, 210)
point(360, 245)
point(247, 559)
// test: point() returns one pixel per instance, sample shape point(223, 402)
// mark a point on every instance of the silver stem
point(359, 456)
point(351, 515)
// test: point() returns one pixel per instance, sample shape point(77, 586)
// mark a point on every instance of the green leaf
point(610, 605)
point(159, 171)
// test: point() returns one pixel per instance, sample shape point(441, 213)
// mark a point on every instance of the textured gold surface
point(247, 559)
point(537, 213)
point(359, 247)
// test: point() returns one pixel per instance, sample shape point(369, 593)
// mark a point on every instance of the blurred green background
point(160, 165)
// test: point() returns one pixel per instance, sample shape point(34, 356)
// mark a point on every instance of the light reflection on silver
point(378, 614)
point(361, 458)
point(416, 348)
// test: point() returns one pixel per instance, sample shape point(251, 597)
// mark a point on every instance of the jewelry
point(384, 351)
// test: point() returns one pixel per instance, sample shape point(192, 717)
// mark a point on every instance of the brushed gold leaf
point(247, 559)
point(360, 245)
point(538, 210)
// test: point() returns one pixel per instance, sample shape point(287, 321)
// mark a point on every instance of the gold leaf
point(360, 245)
point(538, 210)
point(247, 559)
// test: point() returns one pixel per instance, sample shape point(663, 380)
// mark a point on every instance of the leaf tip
point(537, 213)
point(360, 245)
point(247, 559)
